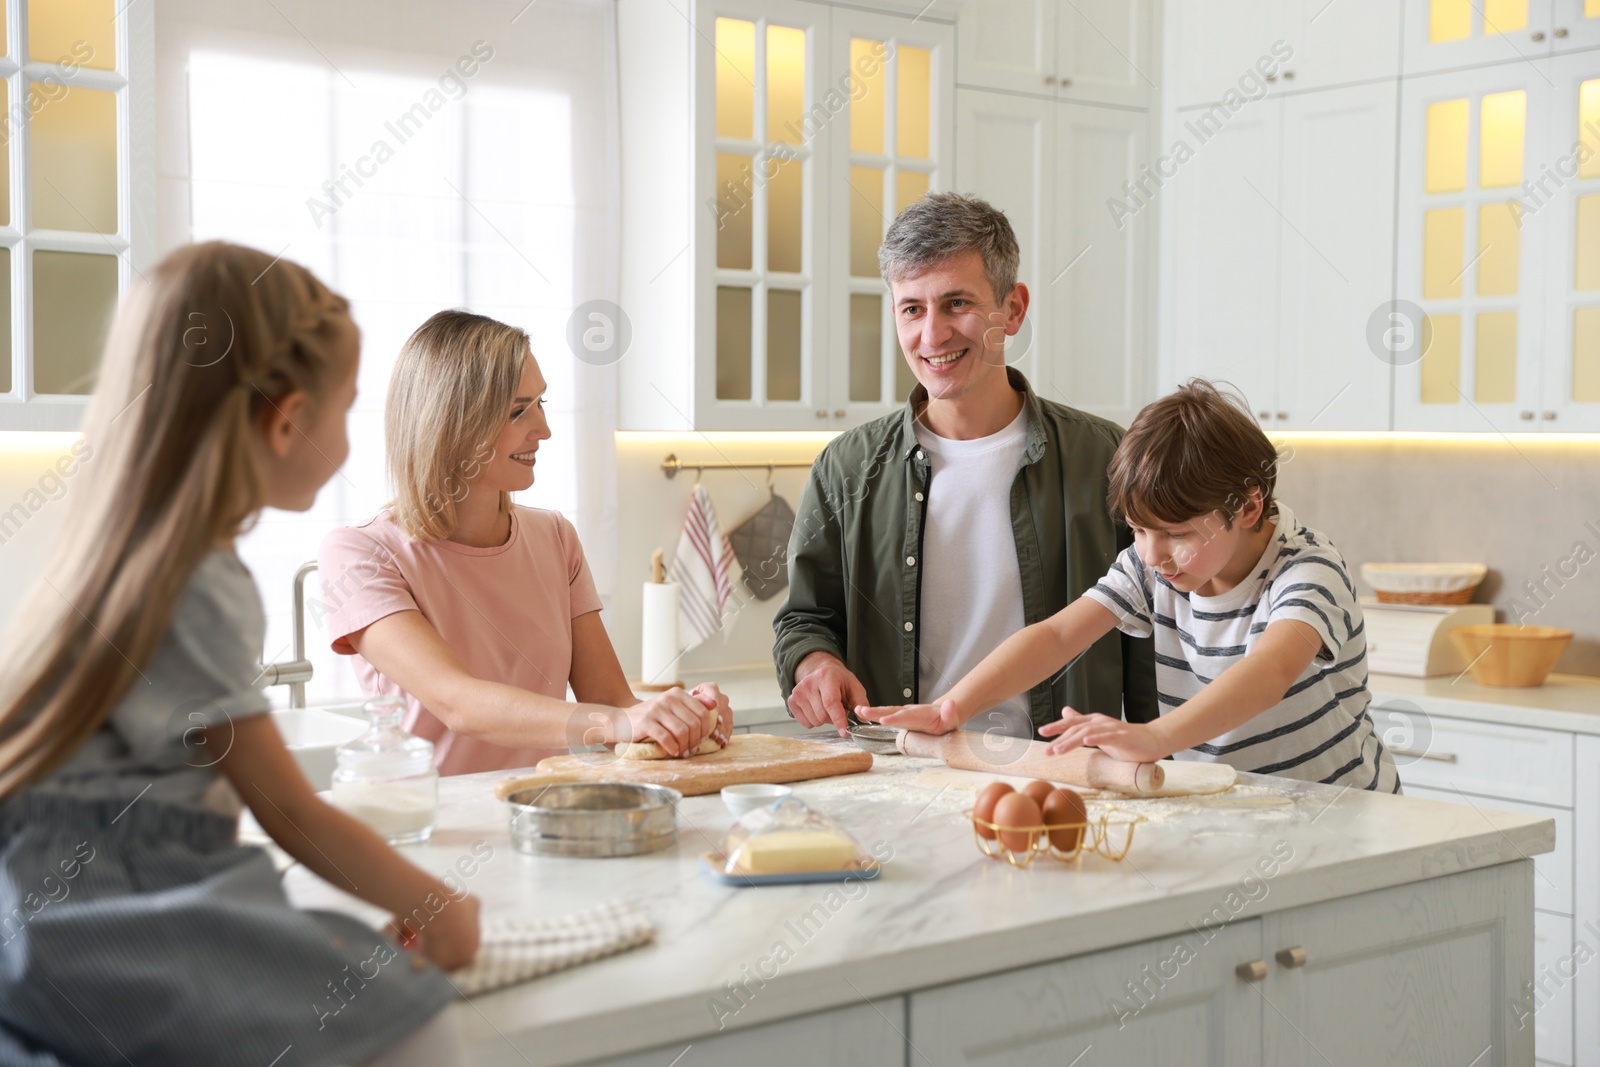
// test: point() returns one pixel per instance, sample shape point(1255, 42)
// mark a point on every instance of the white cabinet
point(1585, 984)
point(866, 1035)
point(1421, 973)
point(1450, 34)
point(766, 146)
point(1504, 767)
point(1056, 170)
point(1397, 976)
point(1171, 1000)
point(1096, 280)
point(1499, 247)
point(1281, 236)
point(1248, 46)
point(1099, 51)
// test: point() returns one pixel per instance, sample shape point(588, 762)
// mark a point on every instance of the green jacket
point(852, 592)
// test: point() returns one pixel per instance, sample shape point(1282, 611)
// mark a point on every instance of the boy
point(1261, 658)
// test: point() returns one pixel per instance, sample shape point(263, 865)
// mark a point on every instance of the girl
point(479, 613)
point(133, 928)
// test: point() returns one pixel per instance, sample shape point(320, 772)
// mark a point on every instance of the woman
point(477, 612)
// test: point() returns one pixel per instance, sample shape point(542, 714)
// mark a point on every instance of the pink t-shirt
point(506, 612)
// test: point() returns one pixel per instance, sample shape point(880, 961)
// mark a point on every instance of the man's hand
point(1131, 741)
point(823, 689)
point(938, 718)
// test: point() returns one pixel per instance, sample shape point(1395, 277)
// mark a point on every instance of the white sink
point(312, 734)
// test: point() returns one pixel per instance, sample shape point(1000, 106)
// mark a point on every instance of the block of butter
point(794, 852)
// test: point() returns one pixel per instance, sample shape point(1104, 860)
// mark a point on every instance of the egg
point(1016, 810)
point(1039, 791)
point(1065, 808)
point(983, 807)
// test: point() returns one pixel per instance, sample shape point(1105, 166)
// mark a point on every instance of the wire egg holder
point(1109, 835)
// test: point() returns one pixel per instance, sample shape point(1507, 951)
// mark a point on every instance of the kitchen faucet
point(296, 672)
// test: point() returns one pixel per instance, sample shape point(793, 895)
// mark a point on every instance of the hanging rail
point(672, 465)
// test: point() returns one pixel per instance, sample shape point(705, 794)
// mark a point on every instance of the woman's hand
point(674, 720)
point(709, 695)
point(1131, 741)
point(938, 718)
point(449, 939)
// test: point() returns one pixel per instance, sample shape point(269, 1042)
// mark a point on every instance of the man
point(927, 537)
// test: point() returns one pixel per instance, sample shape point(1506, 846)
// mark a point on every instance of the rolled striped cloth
point(516, 950)
point(705, 569)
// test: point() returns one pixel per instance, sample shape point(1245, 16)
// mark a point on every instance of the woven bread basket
point(1429, 584)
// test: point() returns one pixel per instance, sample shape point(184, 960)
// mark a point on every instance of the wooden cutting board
point(748, 758)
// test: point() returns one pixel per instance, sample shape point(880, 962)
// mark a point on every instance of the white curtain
point(416, 156)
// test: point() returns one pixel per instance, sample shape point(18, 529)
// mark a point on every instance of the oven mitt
point(761, 544)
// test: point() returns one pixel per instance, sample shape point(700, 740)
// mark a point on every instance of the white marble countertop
point(940, 912)
point(1563, 702)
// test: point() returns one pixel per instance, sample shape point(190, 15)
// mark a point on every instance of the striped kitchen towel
point(515, 950)
point(705, 569)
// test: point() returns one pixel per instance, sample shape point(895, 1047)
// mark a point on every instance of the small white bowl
point(745, 798)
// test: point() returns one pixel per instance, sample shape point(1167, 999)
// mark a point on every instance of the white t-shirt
point(1319, 731)
point(971, 584)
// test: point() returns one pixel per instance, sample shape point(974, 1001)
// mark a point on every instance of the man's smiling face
point(952, 330)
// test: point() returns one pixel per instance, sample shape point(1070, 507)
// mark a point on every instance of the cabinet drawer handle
point(1253, 971)
point(1263, 415)
point(1050, 80)
point(1272, 77)
point(1549, 416)
point(840, 413)
point(1538, 35)
point(1561, 31)
point(1526, 415)
point(1292, 957)
point(1441, 757)
point(1066, 83)
point(1288, 75)
point(821, 414)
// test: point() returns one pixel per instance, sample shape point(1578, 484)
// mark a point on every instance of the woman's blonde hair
point(448, 401)
point(216, 335)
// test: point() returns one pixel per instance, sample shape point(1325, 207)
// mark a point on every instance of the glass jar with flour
point(386, 777)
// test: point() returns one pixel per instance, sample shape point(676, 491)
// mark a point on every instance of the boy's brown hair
point(1192, 453)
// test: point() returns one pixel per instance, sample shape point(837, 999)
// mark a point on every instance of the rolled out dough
point(651, 750)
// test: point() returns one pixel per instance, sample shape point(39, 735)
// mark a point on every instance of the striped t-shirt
point(1320, 730)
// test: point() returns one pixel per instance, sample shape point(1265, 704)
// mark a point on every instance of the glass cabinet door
point(890, 152)
point(1576, 25)
point(764, 211)
point(1445, 34)
point(64, 246)
point(1468, 259)
point(1568, 209)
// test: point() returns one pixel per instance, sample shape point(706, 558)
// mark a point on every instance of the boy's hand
point(923, 718)
point(1131, 741)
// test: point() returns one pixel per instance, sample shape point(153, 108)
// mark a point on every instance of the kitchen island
point(1278, 923)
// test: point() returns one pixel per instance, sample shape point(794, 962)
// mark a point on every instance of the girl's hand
point(923, 718)
point(709, 695)
point(450, 939)
point(674, 720)
point(1131, 741)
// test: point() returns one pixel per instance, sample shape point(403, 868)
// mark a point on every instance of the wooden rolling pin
point(968, 750)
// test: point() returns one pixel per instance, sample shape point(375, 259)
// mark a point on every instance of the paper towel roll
point(659, 661)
